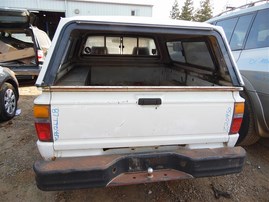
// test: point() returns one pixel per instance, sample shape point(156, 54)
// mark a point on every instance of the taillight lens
point(40, 55)
point(43, 131)
point(237, 117)
point(42, 122)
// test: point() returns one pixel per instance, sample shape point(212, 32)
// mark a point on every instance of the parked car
point(22, 46)
point(247, 30)
point(9, 94)
point(136, 100)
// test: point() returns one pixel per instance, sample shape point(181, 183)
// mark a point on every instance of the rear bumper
point(26, 71)
point(115, 170)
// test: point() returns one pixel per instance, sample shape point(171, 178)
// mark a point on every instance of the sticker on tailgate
point(55, 123)
point(227, 122)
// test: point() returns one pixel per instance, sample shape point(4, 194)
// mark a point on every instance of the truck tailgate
point(134, 117)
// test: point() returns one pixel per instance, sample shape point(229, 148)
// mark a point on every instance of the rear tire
point(247, 132)
point(8, 102)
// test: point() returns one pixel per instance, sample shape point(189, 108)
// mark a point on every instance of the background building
point(49, 12)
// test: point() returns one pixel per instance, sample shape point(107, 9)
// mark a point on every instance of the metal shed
point(49, 12)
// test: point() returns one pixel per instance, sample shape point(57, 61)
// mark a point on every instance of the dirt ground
point(19, 151)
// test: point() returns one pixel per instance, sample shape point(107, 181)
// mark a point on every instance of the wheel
point(8, 102)
point(247, 132)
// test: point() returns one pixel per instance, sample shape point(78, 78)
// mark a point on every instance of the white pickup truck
point(136, 100)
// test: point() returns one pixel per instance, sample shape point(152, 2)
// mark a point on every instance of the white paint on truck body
point(99, 120)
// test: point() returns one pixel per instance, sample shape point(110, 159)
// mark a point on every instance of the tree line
point(188, 13)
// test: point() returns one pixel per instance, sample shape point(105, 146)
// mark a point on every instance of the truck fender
point(254, 100)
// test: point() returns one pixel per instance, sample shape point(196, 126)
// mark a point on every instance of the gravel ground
point(17, 183)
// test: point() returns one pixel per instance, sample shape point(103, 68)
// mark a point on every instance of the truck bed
point(85, 75)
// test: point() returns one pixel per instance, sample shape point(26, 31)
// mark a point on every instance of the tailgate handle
point(149, 101)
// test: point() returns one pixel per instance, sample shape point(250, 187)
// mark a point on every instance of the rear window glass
point(240, 32)
point(118, 45)
point(11, 41)
point(228, 26)
point(195, 53)
point(259, 33)
point(24, 37)
point(236, 30)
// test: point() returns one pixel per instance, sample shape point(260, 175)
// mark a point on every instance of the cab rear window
point(119, 45)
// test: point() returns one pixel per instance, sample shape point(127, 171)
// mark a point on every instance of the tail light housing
point(40, 56)
point(42, 123)
point(237, 117)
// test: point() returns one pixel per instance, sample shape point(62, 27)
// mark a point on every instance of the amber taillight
point(42, 123)
point(237, 117)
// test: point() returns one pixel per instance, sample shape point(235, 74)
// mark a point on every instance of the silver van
point(247, 31)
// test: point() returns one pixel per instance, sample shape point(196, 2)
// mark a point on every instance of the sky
point(163, 7)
